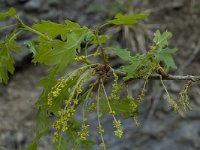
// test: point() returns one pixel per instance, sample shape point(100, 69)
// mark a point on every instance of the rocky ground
point(160, 128)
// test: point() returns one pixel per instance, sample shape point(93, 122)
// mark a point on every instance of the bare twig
point(169, 77)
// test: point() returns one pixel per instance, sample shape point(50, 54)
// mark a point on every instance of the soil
point(160, 128)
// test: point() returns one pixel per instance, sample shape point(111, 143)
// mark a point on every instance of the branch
point(176, 77)
point(169, 77)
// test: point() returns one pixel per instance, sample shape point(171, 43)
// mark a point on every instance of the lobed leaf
point(11, 12)
point(165, 56)
point(161, 40)
point(136, 63)
point(53, 29)
point(50, 28)
point(124, 54)
point(6, 60)
point(127, 20)
point(102, 39)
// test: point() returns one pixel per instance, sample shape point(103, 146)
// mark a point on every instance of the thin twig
point(169, 77)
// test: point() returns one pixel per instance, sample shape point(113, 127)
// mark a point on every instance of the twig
point(169, 77)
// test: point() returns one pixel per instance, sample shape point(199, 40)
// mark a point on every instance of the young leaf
point(11, 12)
point(126, 20)
point(136, 63)
point(30, 45)
point(165, 55)
point(10, 42)
point(161, 40)
point(102, 39)
point(124, 54)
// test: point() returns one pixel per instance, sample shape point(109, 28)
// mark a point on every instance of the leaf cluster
point(58, 46)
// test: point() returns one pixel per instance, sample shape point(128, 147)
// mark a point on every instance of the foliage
point(64, 92)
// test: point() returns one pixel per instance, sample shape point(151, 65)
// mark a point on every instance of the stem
point(110, 108)
point(8, 26)
point(105, 59)
point(98, 119)
point(104, 25)
point(75, 87)
point(86, 99)
point(164, 85)
point(172, 103)
point(14, 35)
point(27, 28)
point(157, 77)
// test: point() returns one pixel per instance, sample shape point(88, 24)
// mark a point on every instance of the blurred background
point(160, 128)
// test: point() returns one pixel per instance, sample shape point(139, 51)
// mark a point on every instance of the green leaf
point(50, 28)
point(74, 140)
point(32, 146)
point(102, 39)
point(47, 83)
point(165, 55)
point(136, 63)
point(31, 46)
point(72, 25)
point(89, 36)
point(56, 52)
point(127, 20)
point(6, 63)
point(161, 40)
point(10, 41)
point(121, 107)
point(54, 29)
point(124, 54)
point(6, 59)
point(42, 123)
point(11, 12)
point(62, 144)
point(60, 53)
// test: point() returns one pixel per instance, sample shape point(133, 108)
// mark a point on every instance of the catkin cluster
point(71, 92)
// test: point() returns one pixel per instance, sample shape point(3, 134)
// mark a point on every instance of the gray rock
point(53, 3)
point(14, 2)
point(10, 2)
point(33, 5)
point(51, 15)
point(22, 1)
